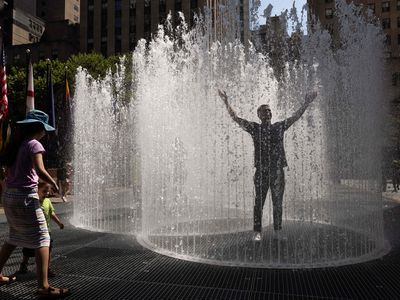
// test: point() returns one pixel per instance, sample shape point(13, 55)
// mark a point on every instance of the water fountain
point(194, 166)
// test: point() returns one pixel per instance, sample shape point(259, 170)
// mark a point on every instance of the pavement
point(98, 265)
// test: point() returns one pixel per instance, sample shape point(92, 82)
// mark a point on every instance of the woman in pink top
point(28, 228)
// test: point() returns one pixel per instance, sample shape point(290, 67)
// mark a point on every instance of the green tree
point(96, 65)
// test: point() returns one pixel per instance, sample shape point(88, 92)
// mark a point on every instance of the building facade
point(56, 10)
point(115, 26)
point(49, 28)
point(19, 25)
point(388, 14)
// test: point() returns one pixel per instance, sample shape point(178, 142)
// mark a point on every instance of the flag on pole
point(67, 108)
point(50, 98)
point(30, 93)
point(67, 96)
point(3, 86)
point(67, 117)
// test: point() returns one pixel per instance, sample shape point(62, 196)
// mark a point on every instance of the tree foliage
point(96, 65)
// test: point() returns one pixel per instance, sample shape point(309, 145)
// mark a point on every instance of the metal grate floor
point(110, 266)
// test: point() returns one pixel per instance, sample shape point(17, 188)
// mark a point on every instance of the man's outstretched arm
point(231, 112)
point(297, 115)
point(246, 125)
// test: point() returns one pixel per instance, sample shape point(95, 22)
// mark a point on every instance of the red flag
point(30, 93)
point(68, 102)
point(67, 99)
point(3, 86)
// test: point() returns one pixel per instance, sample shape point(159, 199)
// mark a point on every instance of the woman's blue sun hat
point(37, 116)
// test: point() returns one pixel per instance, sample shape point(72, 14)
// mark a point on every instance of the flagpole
point(1, 36)
point(28, 60)
point(50, 95)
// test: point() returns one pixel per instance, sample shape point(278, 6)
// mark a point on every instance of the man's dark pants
point(265, 178)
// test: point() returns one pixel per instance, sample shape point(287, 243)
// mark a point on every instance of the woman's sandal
point(7, 279)
point(53, 293)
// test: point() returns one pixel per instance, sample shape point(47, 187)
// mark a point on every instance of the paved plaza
point(110, 266)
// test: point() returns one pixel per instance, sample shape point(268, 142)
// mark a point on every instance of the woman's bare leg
point(5, 253)
point(42, 267)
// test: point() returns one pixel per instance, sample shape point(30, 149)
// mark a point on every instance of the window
point(328, 13)
point(90, 46)
point(329, 27)
point(147, 19)
point(104, 22)
point(398, 22)
point(132, 8)
point(328, 1)
point(194, 10)
point(395, 78)
point(385, 6)
point(54, 54)
point(398, 39)
point(118, 45)
point(388, 40)
point(178, 5)
point(103, 48)
point(371, 6)
point(163, 11)
point(76, 7)
point(194, 4)
point(386, 23)
point(90, 24)
point(178, 8)
point(398, 4)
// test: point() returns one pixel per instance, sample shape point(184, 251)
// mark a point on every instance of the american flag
point(3, 86)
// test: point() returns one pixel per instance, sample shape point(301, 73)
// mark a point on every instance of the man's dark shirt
point(269, 151)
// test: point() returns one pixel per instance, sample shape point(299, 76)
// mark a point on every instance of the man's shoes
point(257, 237)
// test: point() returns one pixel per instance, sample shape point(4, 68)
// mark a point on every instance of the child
point(49, 213)
point(24, 161)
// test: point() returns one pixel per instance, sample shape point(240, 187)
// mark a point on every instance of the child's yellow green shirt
point(48, 210)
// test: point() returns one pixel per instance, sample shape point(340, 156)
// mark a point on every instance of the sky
point(279, 6)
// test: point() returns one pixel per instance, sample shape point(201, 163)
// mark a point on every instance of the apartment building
point(115, 26)
point(49, 28)
point(56, 10)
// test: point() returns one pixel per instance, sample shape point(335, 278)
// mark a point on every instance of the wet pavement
point(112, 266)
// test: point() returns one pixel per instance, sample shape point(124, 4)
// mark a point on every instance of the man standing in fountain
point(269, 158)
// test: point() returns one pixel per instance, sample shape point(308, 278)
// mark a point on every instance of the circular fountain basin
point(299, 245)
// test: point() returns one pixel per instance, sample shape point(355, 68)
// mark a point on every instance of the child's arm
point(55, 218)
